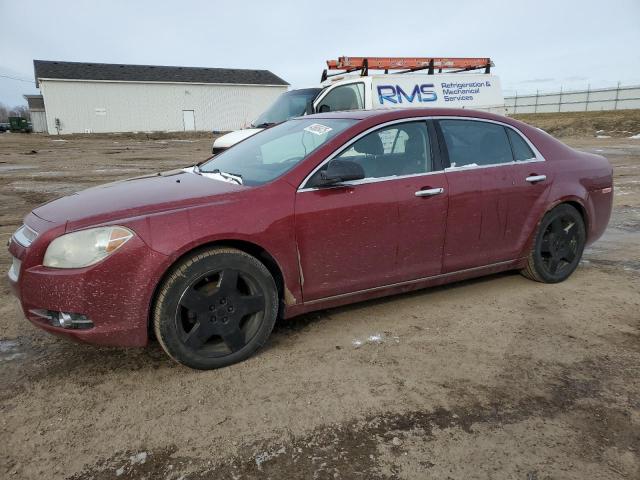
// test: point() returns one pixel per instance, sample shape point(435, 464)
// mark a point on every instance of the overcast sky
point(535, 44)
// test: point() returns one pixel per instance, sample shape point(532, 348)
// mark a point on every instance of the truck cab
point(293, 103)
point(416, 85)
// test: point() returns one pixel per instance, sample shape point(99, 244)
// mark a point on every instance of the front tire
point(215, 308)
point(558, 246)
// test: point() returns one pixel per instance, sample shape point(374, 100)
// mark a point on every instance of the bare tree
point(20, 111)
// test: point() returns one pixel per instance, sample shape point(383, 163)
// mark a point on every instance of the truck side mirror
point(309, 109)
point(324, 108)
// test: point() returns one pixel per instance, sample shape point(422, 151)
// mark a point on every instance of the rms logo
point(395, 94)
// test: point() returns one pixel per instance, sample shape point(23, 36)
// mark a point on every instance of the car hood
point(136, 196)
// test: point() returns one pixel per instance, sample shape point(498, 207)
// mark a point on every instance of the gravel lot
point(499, 378)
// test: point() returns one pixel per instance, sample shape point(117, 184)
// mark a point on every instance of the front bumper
point(114, 294)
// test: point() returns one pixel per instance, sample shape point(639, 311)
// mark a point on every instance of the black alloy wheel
point(216, 308)
point(219, 312)
point(558, 246)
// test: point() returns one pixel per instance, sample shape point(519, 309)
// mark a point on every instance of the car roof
point(370, 118)
point(399, 113)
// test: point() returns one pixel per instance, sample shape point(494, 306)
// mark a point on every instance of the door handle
point(535, 178)
point(429, 192)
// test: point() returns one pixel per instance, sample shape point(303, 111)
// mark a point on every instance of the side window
point(346, 97)
point(401, 149)
point(473, 142)
point(521, 150)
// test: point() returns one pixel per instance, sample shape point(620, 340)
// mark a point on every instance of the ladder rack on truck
point(407, 64)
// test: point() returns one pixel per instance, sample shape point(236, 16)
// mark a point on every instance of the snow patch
point(375, 339)
point(636, 136)
point(260, 458)
point(138, 458)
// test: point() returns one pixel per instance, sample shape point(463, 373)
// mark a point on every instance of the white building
point(98, 97)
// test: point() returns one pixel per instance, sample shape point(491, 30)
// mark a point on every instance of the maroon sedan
point(313, 213)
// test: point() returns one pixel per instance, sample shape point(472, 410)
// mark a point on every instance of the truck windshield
point(272, 152)
point(288, 105)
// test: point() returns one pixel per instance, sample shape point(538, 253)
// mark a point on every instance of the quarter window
point(475, 143)
point(521, 151)
point(345, 97)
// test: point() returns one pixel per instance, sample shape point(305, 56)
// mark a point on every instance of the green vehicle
point(19, 124)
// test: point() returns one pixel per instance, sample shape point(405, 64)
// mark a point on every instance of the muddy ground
point(495, 378)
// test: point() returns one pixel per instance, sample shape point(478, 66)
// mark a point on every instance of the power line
point(16, 78)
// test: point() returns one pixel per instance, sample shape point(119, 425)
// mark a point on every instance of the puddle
point(10, 167)
point(115, 170)
point(57, 187)
point(612, 250)
point(49, 174)
point(9, 350)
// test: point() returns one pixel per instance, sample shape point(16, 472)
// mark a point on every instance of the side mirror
point(339, 171)
point(324, 108)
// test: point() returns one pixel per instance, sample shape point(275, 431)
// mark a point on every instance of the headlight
point(86, 247)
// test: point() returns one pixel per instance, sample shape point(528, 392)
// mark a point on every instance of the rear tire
point(215, 308)
point(558, 246)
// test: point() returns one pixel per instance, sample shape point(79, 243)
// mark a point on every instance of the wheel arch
point(253, 249)
point(575, 202)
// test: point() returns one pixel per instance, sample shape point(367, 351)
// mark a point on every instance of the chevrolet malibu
point(313, 213)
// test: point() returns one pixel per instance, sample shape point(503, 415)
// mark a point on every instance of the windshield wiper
point(264, 125)
point(236, 177)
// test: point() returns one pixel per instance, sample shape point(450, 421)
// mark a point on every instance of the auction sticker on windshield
point(318, 129)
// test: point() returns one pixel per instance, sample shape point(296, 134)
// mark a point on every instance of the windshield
point(288, 105)
point(272, 152)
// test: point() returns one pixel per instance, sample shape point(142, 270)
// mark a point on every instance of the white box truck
point(422, 82)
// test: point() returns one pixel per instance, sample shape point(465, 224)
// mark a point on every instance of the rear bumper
point(600, 205)
point(114, 294)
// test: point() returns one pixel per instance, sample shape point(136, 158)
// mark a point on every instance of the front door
point(423, 194)
point(346, 238)
point(189, 120)
point(384, 229)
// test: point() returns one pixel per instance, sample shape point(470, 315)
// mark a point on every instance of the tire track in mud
point(351, 450)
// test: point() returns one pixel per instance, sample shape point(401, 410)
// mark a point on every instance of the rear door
point(481, 186)
point(532, 179)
